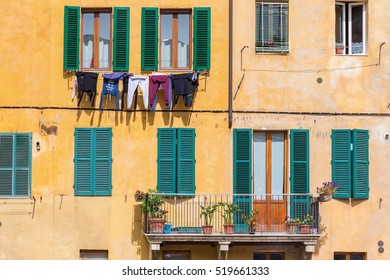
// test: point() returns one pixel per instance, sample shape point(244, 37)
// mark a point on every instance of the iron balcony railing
point(182, 214)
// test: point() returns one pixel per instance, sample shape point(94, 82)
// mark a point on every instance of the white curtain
point(277, 176)
point(182, 54)
point(259, 165)
point(166, 53)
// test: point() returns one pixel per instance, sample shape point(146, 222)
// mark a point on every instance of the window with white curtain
point(96, 39)
point(175, 39)
point(350, 28)
point(272, 26)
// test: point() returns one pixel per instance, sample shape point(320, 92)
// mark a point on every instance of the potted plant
point(306, 224)
point(208, 212)
point(339, 48)
point(327, 190)
point(292, 225)
point(152, 207)
point(250, 220)
point(228, 210)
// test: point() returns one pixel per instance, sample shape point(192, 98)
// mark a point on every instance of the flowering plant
point(309, 220)
point(250, 219)
point(290, 221)
point(328, 188)
point(139, 195)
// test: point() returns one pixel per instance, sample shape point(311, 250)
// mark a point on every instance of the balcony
point(183, 220)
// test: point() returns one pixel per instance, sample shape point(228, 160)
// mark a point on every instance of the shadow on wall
point(324, 237)
point(137, 237)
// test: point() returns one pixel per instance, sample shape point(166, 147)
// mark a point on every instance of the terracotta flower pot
point(228, 229)
point(156, 225)
point(207, 229)
point(305, 229)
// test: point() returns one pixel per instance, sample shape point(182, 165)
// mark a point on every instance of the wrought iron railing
point(182, 214)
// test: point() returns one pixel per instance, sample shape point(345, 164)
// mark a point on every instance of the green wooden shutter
point(242, 175)
point(360, 163)
point(71, 38)
point(102, 161)
point(186, 161)
point(202, 30)
point(22, 164)
point(149, 46)
point(121, 38)
point(342, 162)
point(166, 162)
point(6, 164)
point(299, 172)
point(83, 161)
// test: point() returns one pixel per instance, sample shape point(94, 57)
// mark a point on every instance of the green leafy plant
point(292, 222)
point(152, 204)
point(208, 212)
point(250, 219)
point(308, 220)
point(228, 210)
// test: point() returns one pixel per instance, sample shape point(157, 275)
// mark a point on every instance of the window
point(15, 164)
point(93, 254)
point(268, 256)
point(350, 161)
point(272, 26)
point(178, 29)
point(350, 28)
point(350, 256)
point(93, 161)
point(177, 255)
point(176, 160)
point(97, 48)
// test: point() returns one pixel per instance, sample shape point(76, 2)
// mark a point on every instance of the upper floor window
point(350, 28)
point(90, 37)
point(272, 26)
point(181, 35)
point(15, 164)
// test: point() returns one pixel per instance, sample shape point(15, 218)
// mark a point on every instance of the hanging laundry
point(184, 85)
point(85, 82)
point(111, 87)
point(136, 82)
point(155, 82)
point(125, 88)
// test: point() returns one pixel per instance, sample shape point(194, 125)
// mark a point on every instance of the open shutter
point(360, 164)
point(341, 162)
point(242, 175)
point(6, 164)
point(121, 38)
point(71, 38)
point(22, 164)
point(166, 162)
point(103, 159)
point(299, 172)
point(186, 161)
point(149, 39)
point(202, 19)
point(83, 162)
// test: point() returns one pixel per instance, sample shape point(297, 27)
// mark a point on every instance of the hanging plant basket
point(325, 197)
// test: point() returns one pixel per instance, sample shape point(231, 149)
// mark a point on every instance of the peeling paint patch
point(49, 129)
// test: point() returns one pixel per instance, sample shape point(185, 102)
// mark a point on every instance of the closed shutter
point(22, 164)
point(121, 39)
point(71, 38)
point(360, 164)
point(6, 164)
point(149, 49)
point(242, 175)
point(186, 160)
point(103, 161)
point(299, 172)
point(342, 162)
point(202, 19)
point(83, 162)
point(166, 162)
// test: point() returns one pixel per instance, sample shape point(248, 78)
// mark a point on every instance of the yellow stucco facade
point(278, 92)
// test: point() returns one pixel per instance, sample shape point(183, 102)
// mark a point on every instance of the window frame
point(348, 255)
point(175, 13)
point(96, 30)
point(86, 254)
point(267, 49)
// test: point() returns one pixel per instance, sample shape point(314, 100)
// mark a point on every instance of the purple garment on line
point(154, 82)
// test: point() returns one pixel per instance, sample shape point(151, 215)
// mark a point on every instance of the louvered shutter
point(299, 172)
point(71, 38)
point(121, 39)
point(186, 160)
point(102, 162)
point(342, 162)
point(360, 163)
point(202, 23)
point(22, 164)
point(242, 175)
point(83, 161)
point(166, 162)
point(149, 56)
point(6, 164)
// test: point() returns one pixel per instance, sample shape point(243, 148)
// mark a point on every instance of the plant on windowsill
point(228, 210)
point(292, 225)
point(208, 213)
point(339, 48)
point(327, 190)
point(250, 220)
point(306, 224)
point(152, 207)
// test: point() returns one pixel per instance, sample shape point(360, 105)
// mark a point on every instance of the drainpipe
point(230, 104)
